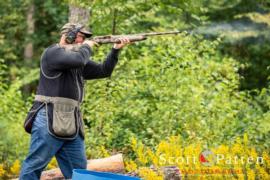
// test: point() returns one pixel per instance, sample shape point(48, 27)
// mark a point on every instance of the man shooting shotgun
point(55, 121)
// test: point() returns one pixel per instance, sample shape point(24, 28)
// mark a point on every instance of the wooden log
point(110, 164)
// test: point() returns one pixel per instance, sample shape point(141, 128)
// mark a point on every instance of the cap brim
point(86, 33)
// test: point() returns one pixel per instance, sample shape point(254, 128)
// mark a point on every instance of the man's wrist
point(115, 46)
point(116, 49)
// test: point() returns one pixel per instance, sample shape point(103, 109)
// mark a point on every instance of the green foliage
point(261, 101)
point(12, 30)
point(12, 112)
point(138, 16)
point(50, 17)
point(253, 54)
point(169, 86)
point(227, 9)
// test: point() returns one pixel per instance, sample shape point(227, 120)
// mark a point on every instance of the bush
point(13, 109)
point(179, 85)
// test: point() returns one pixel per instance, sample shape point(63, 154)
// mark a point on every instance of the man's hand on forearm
point(124, 42)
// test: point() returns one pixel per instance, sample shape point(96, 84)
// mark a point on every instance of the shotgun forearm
point(115, 39)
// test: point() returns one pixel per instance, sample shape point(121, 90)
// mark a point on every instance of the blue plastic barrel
point(82, 174)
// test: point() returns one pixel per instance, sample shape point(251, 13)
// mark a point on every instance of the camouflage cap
point(70, 26)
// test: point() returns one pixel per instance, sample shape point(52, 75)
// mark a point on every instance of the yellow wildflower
point(131, 166)
point(133, 143)
point(266, 159)
point(262, 174)
point(52, 164)
point(236, 149)
point(15, 168)
point(141, 155)
point(245, 139)
point(149, 174)
point(250, 174)
point(104, 152)
point(2, 170)
point(153, 158)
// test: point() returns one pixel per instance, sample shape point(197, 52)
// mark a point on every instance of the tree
point(78, 14)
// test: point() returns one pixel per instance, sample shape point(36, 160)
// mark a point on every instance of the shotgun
point(132, 37)
point(115, 38)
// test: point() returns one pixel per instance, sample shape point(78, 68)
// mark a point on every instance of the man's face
point(79, 38)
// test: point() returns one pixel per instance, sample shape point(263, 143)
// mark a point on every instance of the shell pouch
point(63, 123)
